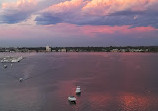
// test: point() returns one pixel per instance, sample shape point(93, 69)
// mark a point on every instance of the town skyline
point(81, 49)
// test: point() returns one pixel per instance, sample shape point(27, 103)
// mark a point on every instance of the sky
point(70, 23)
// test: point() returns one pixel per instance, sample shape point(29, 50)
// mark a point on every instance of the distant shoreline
point(82, 49)
point(77, 52)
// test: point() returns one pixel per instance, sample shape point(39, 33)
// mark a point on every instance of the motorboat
point(15, 60)
point(4, 66)
point(20, 79)
point(72, 99)
point(4, 60)
point(78, 90)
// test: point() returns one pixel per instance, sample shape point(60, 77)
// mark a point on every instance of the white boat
point(14, 60)
point(78, 90)
point(20, 79)
point(5, 66)
point(72, 99)
point(4, 60)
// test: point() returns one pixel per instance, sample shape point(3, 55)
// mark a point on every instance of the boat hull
point(72, 99)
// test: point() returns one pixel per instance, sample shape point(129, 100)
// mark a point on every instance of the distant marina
point(9, 59)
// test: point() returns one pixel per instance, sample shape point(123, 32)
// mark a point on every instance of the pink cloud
point(68, 30)
point(65, 6)
point(101, 12)
point(105, 7)
point(20, 4)
point(72, 35)
point(100, 7)
point(94, 30)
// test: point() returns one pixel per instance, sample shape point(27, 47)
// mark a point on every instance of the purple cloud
point(89, 13)
point(14, 12)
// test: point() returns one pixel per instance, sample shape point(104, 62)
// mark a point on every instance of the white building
point(63, 50)
point(48, 49)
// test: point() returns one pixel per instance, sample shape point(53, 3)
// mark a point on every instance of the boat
point(20, 79)
point(4, 60)
point(72, 99)
point(4, 66)
point(15, 60)
point(78, 90)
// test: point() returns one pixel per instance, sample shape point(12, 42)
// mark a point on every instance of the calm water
point(109, 82)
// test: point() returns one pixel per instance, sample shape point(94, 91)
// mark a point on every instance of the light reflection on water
point(135, 102)
point(109, 82)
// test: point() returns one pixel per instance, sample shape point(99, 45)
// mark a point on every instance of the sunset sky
point(78, 23)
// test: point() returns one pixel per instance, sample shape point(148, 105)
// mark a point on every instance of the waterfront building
point(48, 49)
point(114, 50)
point(63, 50)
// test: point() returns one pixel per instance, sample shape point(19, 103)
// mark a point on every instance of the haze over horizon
point(70, 23)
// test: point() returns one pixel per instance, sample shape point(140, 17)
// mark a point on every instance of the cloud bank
point(14, 12)
point(136, 13)
point(79, 22)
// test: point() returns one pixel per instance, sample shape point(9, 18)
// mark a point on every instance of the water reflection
point(99, 100)
point(125, 102)
point(135, 103)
